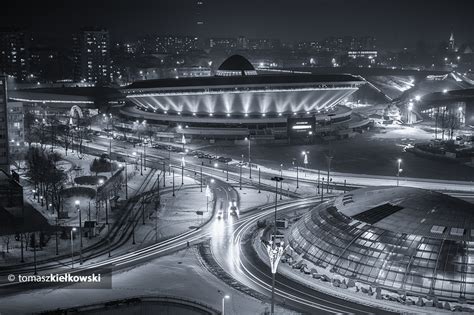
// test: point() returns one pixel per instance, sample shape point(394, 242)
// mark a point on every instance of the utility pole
point(240, 177)
point(173, 183)
point(259, 180)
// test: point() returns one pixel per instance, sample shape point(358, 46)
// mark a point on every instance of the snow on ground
point(414, 133)
point(250, 198)
point(180, 274)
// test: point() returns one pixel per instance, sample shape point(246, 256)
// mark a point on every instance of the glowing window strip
point(301, 127)
point(50, 101)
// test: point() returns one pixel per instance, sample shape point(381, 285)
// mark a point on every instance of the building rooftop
point(236, 63)
point(243, 80)
point(409, 210)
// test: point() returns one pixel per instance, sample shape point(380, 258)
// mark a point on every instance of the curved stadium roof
point(236, 63)
point(396, 238)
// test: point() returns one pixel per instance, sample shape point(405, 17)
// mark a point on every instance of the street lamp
point(240, 176)
point(399, 170)
point(410, 108)
point(72, 247)
point(281, 183)
point(305, 160)
point(224, 297)
point(274, 250)
point(77, 203)
point(208, 194)
point(183, 164)
point(144, 156)
point(250, 165)
point(126, 179)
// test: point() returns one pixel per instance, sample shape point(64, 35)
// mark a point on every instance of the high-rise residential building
point(243, 42)
point(4, 158)
point(167, 44)
point(263, 43)
point(92, 56)
point(16, 132)
point(14, 53)
point(222, 43)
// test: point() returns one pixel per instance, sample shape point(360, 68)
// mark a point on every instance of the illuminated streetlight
point(250, 166)
point(399, 170)
point(224, 297)
point(77, 203)
point(72, 247)
point(274, 250)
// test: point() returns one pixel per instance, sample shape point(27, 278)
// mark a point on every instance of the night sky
point(395, 23)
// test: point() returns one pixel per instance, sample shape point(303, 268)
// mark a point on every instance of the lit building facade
point(4, 156)
point(92, 56)
point(16, 131)
point(14, 53)
point(238, 97)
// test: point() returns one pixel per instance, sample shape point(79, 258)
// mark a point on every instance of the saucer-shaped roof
point(236, 63)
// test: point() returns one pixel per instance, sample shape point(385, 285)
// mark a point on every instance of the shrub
point(89, 180)
point(78, 192)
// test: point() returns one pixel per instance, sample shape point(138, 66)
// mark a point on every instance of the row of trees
point(50, 130)
point(47, 178)
point(448, 121)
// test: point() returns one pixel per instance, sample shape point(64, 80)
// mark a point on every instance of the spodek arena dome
point(397, 238)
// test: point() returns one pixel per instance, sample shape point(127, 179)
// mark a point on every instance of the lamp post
point(250, 165)
point(399, 170)
point(141, 163)
point(135, 159)
point(224, 297)
point(322, 189)
point(305, 160)
point(274, 250)
point(164, 174)
point(200, 183)
point(329, 159)
point(240, 177)
point(144, 156)
point(281, 182)
point(77, 203)
point(410, 108)
point(227, 169)
point(208, 194)
point(173, 183)
point(259, 180)
point(183, 163)
point(126, 179)
point(72, 247)
point(297, 175)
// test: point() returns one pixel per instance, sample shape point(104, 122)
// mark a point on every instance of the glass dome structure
point(401, 239)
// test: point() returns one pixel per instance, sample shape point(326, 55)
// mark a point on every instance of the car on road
point(233, 208)
point(220, 214)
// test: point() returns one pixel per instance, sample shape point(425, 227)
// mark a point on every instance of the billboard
point(301, 127)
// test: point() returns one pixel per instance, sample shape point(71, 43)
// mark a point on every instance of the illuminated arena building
point(404, 240)
point(242, 102)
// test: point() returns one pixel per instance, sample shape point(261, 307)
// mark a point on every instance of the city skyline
point(399, 24)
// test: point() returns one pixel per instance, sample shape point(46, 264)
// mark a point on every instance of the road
point(230, 247)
